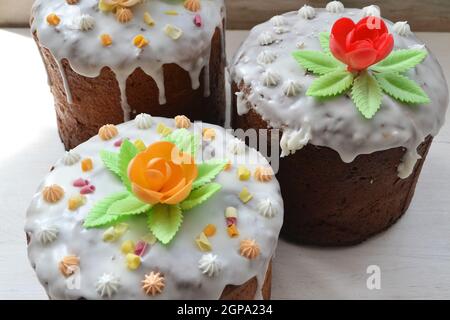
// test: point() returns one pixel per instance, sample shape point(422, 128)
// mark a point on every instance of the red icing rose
point(360, 45)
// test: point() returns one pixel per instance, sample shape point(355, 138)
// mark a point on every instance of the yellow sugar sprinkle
point(87, 164)
point(203, 243)
point(163, 130)
point(148, 19)
point(106, 40)
point(140, 41)
point(171, 12)
point(140, 145)
point(75, 202)
point(243, 173)
point(133, 261)
point(53, 19)
point(245, 195)
point(232, 230)
point(127, 247)
point(210, 230)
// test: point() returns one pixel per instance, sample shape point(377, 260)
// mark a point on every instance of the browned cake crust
point(96, 101)
point(329, 202)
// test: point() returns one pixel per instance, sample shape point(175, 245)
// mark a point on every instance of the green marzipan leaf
point(366, 94)
point(199, 196)
point(317, 61)
point(331, 84)
point(111, 161)
point(402, 88)
point(324, 38)
point(97, 216)
point(207, 172)
point(127, 152)
point(128, 206)
point(184, 140)
point(164, 221)
point(400, 60)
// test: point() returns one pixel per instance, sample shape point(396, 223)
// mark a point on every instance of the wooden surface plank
point(430, 15)
point(414, 255)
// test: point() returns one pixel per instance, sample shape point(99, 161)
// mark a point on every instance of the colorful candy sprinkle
point(140, 145)
point(171, 13)
point(53, 19)
point(163, 130)
point(245, 195)
point(173, 32)
point(243, 173)
point(133, 261)
point(232, 230)
point(148, 19)
point(231, 221)
point(140, 41)
point(118, 143)
point(127, 247)
point(231, 212)
point(198, 20)
point(203, 243)
point(80, 182)
point(210, 230)
point(140, 248)
point(87, 164)
point(106, 40)
point(75, 202)
point(87, 189)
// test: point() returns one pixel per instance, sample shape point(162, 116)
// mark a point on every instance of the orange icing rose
point(162, 174)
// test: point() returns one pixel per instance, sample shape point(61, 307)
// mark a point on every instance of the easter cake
point(156, 208)
point(355, 101)
point(109, 60)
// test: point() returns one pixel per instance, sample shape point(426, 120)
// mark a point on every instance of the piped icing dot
point(84, 22)
point(182, 122)
point(267, 209)
point(236, 146)
point(266, 57)
point(307, 12)
point(371, 10)
point(140, 41)
point(53, 193)
point(270, 78)
point(69, 265)
point(53, 19)
point(294, 140)
point(107, 132)
point(335, 7)
point(106, 40)
point(266, 38)
point(209, 265)
point(153, 283)
point(402, 28)
point(192, 5)
point(47, 234)
point(143, 121)
point(264, 174)
point(292, 88)
point(173, 32)
point(107, 285)
point(124, 15)
point(278, 21)
point(249, 249)
point(70, 158)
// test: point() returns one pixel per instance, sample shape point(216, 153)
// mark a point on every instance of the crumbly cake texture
point(167, 59)
point(223, 247)
point(271, 82)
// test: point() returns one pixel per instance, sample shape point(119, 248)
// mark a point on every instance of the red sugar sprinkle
point(140, 248)
point(80, 183)
point(118, 143)
point(198, 20)
point(231, 221)
point(87, 189)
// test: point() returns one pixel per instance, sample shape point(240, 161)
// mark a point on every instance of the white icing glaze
point(179, 261)
point(209, 265)
point(107, 285)
point(307, 12)
point(335, 7)
point(143, 121)
point(372, 10)
point(335, 123)
point(70, 158)
point(191, 51)
point(402, 28)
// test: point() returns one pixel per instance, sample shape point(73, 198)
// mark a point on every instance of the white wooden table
point(414, 255)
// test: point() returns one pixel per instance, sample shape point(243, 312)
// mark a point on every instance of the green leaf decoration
point(164, 222)
point(317, 62)
point(199, 196)
point(128, 206)
point(127, 152)
point(111, 161)
point(207, 172)
point(400, 60)
point(98, 215)
point(402, 88)
point(366, 94)
point(324, 38)
point(184, 140)
point(331, 84)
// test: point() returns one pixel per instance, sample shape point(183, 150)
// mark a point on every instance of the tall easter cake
point(357, 100)
point(156, 208)
point(109, 60)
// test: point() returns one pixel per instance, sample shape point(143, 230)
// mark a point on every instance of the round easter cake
point(109, 60)
point(356, 101)
point(156, 208)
